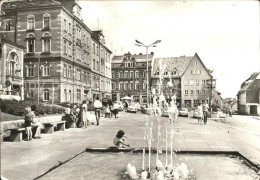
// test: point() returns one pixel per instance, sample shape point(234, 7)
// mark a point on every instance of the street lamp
point(211, 84)
point(138, 43)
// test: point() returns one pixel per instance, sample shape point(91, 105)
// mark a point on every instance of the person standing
point(200, 114)
point(38, 124)
point(115, 109)
point(97, 107)
point(83, 113)
point(28, 118)
point(205, 108)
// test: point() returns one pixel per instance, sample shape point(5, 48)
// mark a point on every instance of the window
point(131, 86)
point(203, 81)
point(30, 22)
point(65, 95)
point(197, 92)
point(174, 72)
point(69, 49)
point(46, 70)
point(46, 45)
point(113, 75)
point(185, 83)
point(191, 82)
point(30, 71)
point(136, 74)
point(7, 25)
point(78, 75)
point(70, 29)
point(65, 47)
point(131, 74)
point(65, 25)
point(94, 46)
point(122, 86)
point(126, 74)
point(69, 96)
point(46, 95)
point(136, 86)
point(203, 92)
point(46, 21)
point(186, 92)
point(78, 53)
point(141, 86)
point(191, 92)
point(113, 86)
point(94, 64)
point(126, 86)
point(195, 71)
point(196, 63)
point(144, 74)
point(30, 43)
point(69, 70)
point(30, 93)
point(65, 70)
point(78, 94)
point(197, 82)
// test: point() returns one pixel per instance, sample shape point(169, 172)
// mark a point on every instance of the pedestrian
point(200, 114)
point(74, 114)
point(230, 112)
point(107, 112)
point(83, 113)
point(97, 107)
point(119, 140)
point(38, 124)
point(173, 112)
point(28, 118)
point(205, 108)
point(115, 109)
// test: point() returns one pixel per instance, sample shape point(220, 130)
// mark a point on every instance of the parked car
point(184, 112)
point(132, 108)
point(138, 106)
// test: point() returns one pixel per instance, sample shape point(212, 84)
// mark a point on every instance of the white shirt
point(97, 104)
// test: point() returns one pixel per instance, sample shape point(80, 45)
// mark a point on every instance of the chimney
point(140, 54)
point(152, 53)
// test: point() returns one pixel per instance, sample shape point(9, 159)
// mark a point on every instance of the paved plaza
point(30, 159)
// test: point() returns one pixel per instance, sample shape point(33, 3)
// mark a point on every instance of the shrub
point(15, 107)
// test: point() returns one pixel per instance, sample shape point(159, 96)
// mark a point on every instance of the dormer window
point(174, 72)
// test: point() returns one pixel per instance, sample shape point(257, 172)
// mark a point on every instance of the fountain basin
point(111, 165)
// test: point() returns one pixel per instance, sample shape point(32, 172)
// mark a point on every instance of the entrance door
point(253, 109)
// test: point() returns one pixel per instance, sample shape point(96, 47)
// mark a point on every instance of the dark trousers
point(205, 115)
point(97, 114)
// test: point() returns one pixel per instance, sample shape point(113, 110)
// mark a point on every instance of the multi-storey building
point(188, 79)
point(248, 97)
point(57, 61)
point(129, 76)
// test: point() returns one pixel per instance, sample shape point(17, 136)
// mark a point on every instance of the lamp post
point(138, 43)
point(211, 84)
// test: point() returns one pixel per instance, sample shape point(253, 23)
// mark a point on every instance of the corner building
point(57, 61)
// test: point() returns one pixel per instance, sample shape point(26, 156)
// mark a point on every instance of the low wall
point(19, 123)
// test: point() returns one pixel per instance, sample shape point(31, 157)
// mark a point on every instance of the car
point(132, 108)
point(138, 106)
point(184, 112)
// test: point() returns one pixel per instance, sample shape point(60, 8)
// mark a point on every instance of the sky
point(225, 34)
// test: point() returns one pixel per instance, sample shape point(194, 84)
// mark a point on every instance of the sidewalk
point(28, 160)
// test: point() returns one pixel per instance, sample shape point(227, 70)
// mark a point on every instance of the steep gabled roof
point(249, 81)
point(28, 4)
point(180, 63)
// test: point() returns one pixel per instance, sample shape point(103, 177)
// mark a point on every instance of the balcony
point(14, 78)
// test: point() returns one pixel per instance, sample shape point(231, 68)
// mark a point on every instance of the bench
point(17, 133)
point(49, 127)
point(221, 119)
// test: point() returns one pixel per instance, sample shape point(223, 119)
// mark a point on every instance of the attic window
point(196, 63)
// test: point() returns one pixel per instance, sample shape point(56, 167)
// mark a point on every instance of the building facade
point(184, 76)
point(11, 70)
point(248, 98)
point(58, 56)
point(129, 76)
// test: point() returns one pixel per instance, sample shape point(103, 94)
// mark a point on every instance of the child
point(28, 119)
point(107, 112)
point(119, 140)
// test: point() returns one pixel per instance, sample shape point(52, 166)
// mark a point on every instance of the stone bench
point(221, 119)
point(49, 126)
point(17, 133)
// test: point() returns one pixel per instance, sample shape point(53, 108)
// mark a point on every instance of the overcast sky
point(225, 34)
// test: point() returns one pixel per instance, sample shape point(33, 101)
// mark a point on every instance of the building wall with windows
point(129, 76)
point(11, 70)
point(57, 62)
point(194, 83)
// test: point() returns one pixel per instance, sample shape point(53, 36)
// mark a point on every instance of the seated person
point(119, 140)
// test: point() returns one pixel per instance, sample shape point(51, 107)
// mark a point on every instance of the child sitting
point(119, 140)
point(107, 112)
